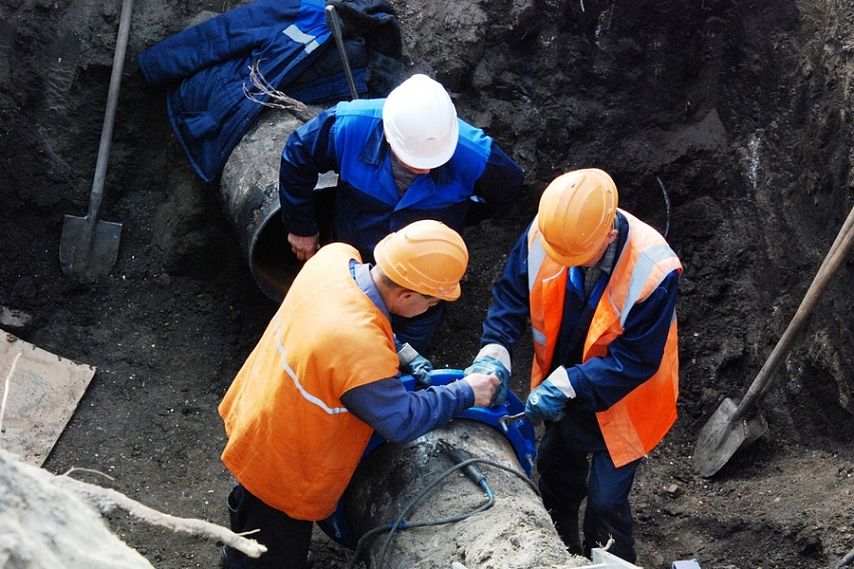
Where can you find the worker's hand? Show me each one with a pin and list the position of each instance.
(420, 369)
(304, 247)
(494, 360)
(484, 387)
(415, 364)
(547, 401)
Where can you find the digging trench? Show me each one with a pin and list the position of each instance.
(725, 124)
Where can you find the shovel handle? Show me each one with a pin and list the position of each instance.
(97, 193)
(334, 25)
(832, 261)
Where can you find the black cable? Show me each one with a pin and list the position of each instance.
(490, 501)
(666, 204)
(845, 561)
(399, 524)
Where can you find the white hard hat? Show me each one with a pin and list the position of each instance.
(420, 123)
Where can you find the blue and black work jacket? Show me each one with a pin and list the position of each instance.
(599, 382)
(207, 68)
(349, 140)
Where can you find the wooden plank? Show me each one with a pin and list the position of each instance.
(40, 396)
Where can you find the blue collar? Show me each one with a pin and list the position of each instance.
(362, 275)
(376, 149)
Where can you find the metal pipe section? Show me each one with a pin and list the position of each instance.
(516, 533)
(249, 188)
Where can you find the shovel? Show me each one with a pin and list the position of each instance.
(334, 24)
(733, 426)
(88, 247)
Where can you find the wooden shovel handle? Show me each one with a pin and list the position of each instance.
(97, 192)
(832, 261)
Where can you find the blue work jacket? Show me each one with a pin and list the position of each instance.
(349, 140)
(598, 382)
(396, 414)
(207, 67)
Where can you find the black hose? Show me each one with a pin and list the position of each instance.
(666, 205)
(399, 524)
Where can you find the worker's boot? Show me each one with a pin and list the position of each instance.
(228, 555)
(566, 524)
(565, 518)
(224, 556)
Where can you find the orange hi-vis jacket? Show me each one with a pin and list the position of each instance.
(635, 424)
(291, 441)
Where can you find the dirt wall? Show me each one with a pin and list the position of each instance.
(725, 124)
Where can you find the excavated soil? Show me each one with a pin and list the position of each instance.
(726, 125)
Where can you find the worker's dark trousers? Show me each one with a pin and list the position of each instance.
(287, 539)
(418, 330)
(566, 478)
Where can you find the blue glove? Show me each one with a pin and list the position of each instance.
(490, 366)
(420, 368)
(415, 364)
(547, 401)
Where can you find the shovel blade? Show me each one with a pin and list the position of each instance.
(88, 251)
(722, 436)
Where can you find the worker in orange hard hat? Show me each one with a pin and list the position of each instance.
(599, 287)
(399, 159)
(324, 377)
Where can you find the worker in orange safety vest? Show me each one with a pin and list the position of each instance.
(600, 288)
(324, 377)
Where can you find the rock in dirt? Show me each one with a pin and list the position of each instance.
(44, 526)
(14, 320)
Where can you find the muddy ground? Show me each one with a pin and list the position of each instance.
(726, 124)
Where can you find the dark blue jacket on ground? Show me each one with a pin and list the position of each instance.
(207, 67)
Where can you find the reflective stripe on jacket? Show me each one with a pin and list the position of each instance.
(635, 424)
(291, 441)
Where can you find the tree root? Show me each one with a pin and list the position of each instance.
(107, 499)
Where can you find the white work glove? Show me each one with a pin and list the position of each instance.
(415, 364)
(493, 359)
(546, 402)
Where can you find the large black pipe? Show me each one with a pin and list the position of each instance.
(249, 190)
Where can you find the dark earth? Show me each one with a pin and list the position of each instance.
(725, 124)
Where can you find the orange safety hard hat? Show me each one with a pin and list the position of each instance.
(420, 123)
(426, 256)
(575, 215)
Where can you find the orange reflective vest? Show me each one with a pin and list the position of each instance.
(291, 442)
(635, 424)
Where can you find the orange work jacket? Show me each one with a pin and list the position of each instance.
(635, 424)
(291, 442)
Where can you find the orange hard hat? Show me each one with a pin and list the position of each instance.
(575, 215)
(426, 256)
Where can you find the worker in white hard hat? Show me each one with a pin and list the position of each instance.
(599, 288)
(324, 377)
(399, 159)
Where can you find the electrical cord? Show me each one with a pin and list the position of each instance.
(399, 524)
(666, 204)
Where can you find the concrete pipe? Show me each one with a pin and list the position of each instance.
(249, 188)
(516, 532)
